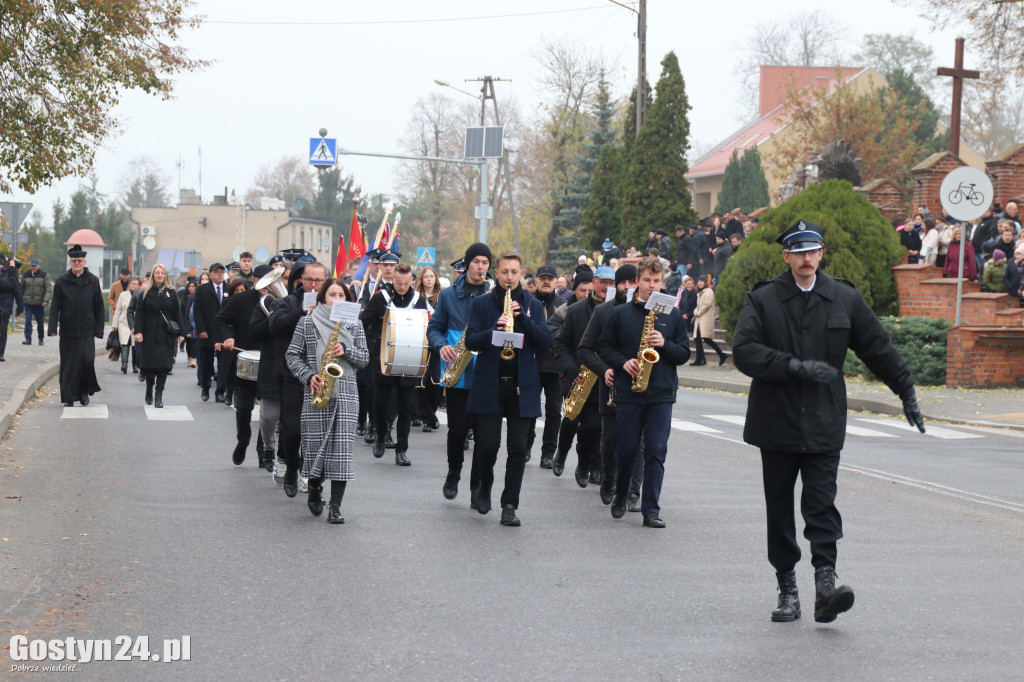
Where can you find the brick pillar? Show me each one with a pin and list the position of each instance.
(928, 176)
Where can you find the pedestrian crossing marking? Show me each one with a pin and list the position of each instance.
(87, 412)
(682, 425)
(933, 431)
(736, 419)
(168, 413)
(870, 433)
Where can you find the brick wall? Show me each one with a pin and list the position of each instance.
(1007, 174)
(986, 350)
(888, 199)
(984, 357)
(928, 178)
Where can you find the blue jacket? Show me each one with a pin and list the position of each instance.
(449, 321)
(483, 317)
(620, 341)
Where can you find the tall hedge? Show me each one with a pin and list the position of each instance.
(860, 246)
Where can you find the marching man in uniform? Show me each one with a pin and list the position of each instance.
(791, 338)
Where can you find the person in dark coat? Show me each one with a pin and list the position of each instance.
(686, 250)
(232, 328)
(791, 339)
(76, 314)
(688, 303)
(566, 346)
(268, 386)
(209, 298)
(910, 238)
(502, 388)
(36, 290)
(187, 298)
(10, 293)
(723, 252)
(399, 294)
(156, 311)
(625, 279)
(548, 367)
(1014, 273)
(645, 415)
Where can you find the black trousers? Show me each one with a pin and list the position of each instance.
(364, 384)
(608, 463)
(245, 400)
(459, 424)
(588, 438)
(207, 356)
(551, 385)
(488, 437)
(429, 396)
(5, 320)
(698, 348)
(823, 526)
(228, 359)
(566, 434)
(382, 392)
(290, 436)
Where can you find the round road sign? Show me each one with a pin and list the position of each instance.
(966, 193)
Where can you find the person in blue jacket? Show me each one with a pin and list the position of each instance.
(446, 327)
(502, 388)
(643, 415)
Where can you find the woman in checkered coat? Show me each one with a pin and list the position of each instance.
(328, 434)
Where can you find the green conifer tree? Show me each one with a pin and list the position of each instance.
(731, 181)
(655, 191)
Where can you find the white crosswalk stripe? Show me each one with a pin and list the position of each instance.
(930, 430)
(169, 413)
(682, 425)
(87, 412)
(736, 419)
(870, 433)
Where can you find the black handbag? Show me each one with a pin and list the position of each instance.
(172, 326)
(113, 340)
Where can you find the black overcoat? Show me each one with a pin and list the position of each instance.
(157, 343)
(205, 309)
(780, 322)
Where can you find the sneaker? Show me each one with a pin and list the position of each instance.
(633, 504)
(303, 485)
(279, 469)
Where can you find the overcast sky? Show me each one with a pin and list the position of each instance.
(274, 85)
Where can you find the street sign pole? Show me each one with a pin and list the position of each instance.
(966, 194)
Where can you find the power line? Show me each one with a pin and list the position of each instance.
(404, 21)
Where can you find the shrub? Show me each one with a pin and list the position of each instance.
(921, 340)
(860, 246)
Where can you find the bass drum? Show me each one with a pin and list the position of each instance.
(403, 343)
(248, 365)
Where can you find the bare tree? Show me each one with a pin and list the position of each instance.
(803, 39)
(143, 183)
(885, 53)
(289, 179)
(993, 116)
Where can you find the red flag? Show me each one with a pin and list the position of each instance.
(356, 239)
(339, 263)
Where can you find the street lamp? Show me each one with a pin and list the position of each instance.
(483, 100)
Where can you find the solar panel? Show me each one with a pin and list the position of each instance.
(484, 143)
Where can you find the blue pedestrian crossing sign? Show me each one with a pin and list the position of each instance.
(323, 151)
(426, 255)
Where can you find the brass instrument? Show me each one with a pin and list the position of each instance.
(578, 394)
(611, 397)
(507, 351)
(330, 372)
(646, 355)
(453, 372)
(274, 286)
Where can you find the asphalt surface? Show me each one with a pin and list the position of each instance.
(127, 526)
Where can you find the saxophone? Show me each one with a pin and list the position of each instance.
(453, 372)
(330, 372)
(577, 398)
(507, 352)
(646, 355)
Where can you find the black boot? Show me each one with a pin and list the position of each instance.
(161, 381)
(451, 486)
(238, 456)
(378, 448)
(829, 600)
(618, 506)
(789, 599)
(315, 498)
(558, 463)
(149, 390)
(124, 361)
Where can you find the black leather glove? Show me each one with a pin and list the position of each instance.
(813, 370)
(910, 408)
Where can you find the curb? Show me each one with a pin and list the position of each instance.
(855, 404)
(25, 390)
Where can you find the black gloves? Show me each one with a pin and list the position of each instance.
(910, 408)
(818, 371)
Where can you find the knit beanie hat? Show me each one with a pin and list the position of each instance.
(478, 249)
(582, 276)
(625, 272)
(998, 256)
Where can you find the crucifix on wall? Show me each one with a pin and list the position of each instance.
(959, 73)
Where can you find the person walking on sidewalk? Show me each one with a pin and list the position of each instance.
(119, 321)
(10, 293)
(76, 313)
(704, 324)
(36, 290)
(791, 339)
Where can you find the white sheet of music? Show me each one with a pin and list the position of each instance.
(344, 311)
(663, 303)
(501, 338)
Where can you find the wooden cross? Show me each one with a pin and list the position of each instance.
(959, 73)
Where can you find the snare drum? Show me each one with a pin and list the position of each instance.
(247, 365)
(403, 344)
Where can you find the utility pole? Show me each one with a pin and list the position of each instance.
(641, 83)
(487, 93)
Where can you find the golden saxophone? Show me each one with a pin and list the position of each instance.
(507, 352)
(646, 355)
(578, 394)
(330, 372)
(453, 371)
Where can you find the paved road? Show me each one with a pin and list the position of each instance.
(121, 525)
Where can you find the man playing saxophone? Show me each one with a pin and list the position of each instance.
(566, 344)
(643, 411)
(444, 332)
(506, 383)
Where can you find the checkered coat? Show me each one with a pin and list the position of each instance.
(328, 435)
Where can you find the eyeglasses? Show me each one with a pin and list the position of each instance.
(313, 281)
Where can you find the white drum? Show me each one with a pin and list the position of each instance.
(403, 343)
(247, 366)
